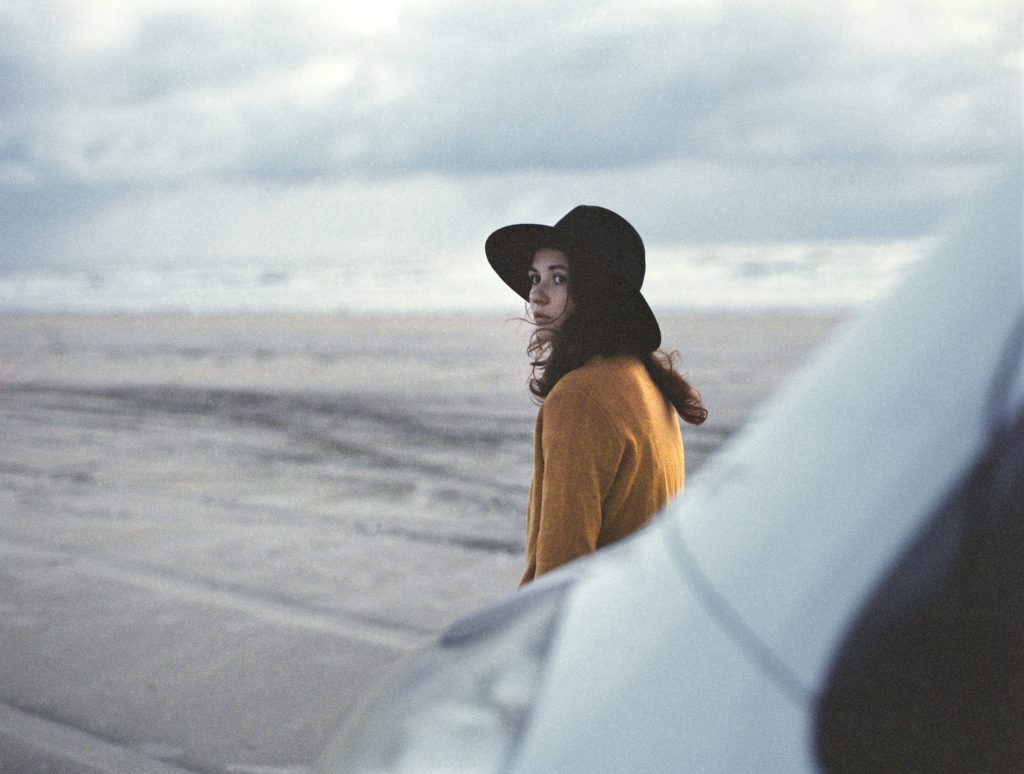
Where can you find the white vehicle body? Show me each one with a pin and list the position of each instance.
(705, 642)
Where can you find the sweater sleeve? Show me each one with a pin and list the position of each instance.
(582, 450)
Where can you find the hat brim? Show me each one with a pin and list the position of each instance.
(510, 251)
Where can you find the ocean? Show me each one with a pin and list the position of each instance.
(833, 276)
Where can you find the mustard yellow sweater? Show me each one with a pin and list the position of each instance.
(607, 456)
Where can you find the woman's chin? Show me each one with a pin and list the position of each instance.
(544, 332)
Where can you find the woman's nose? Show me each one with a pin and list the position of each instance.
(537, 294)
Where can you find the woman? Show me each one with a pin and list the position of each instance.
(607, 449)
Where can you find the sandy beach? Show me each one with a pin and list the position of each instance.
(218, 532)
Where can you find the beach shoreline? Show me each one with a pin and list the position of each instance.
(219, 531)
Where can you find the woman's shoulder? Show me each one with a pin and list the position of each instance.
(599, 377)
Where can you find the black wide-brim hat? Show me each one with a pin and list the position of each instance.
(597, 240)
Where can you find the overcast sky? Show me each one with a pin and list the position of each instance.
(157, 130)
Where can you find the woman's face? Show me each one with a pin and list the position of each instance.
(550, 303)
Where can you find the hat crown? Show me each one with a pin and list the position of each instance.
(609, 235)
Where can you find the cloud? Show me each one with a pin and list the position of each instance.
(269, 92)
(747, 84)
(727, 118)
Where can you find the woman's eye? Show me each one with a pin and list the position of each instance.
(534, 279)
(561, 279)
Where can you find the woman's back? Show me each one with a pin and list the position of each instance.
(608, 450)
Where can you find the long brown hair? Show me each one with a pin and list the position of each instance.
(593, 329)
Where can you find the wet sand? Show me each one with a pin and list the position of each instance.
(218, 532)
